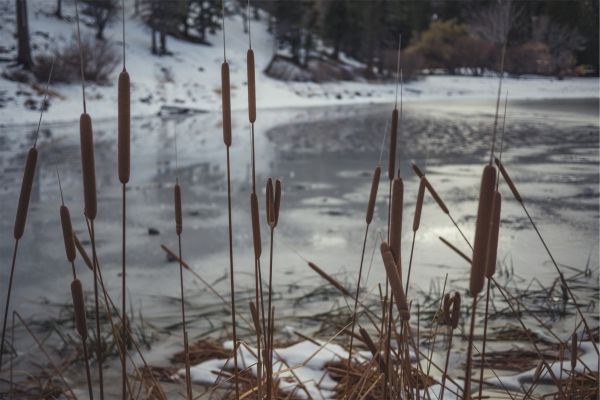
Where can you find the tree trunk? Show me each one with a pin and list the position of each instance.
(163, 42)
(100, 32)
(58, 11)
(153, 41)
(24, 49)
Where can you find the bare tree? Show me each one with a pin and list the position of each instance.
(562, 41)
(24, 48)
(102, 13)
(494, 23)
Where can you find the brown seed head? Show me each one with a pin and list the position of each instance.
(455, 310)
(88, 165)
(255, 319)
(395, 281)
(396, 218)
(417, 170)
(255, 225)
(482, 229)
(124, 127)
(178, 214)
(574, 350)
(393, 141)
(226, 103)
(373, 194)
(251, 86)
(329, 279)
(276, 202)
(67, 229)
(269, 198)
(419, 204)
(508, 181)
(26, 185)
(436, 196)
(447, 304)
(490, 268)
(79, 308)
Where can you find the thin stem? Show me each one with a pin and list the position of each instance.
(497, 104)
(223, 27)
(460, 231)
(88, 375)
(269, 351)
(80, 56)
(485, 325)
(235, 358)
(37, 131)
(249, 31)
(467, 386)
(123, 7)
(398, 68)
(412, 248)
(123, 296)
(185, 343)
(362, 257)
(97, 308)
(6, 307)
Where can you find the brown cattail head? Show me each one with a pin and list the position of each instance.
(124, 118)
(509, 181)
(395, 281)
(255, 319)
(226, 103)
(447, 304)
(396, 218)
(368, 341)
(436, 196)
(373, 194)
(88, 165)
(79, 308)
(178, 215)
(276, 202)
(26, 185)
(419, 205)
(538, 371)
(67, 229)
(329, 279)
(455, 310)
(574, 350)
(490, 268)
(269, 198)
(417, 170)
(251, 86)
(84, 256)
(392, 149)
(482, 229)
(255, 225)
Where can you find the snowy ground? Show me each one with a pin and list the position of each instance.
(190, 77)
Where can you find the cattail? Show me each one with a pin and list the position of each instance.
(395, 281)
(67, 229)
(84, 256)
(417, 170)
(490, 269)
(276, 202)
(255, 225)
(482, 229)
(373, 194)
(269, 202)
(419, 205)
(26, 185)
(392, 149)
(255, 319)
(455, 249)
(251, 86)
(455, 310)
(508, 181)
(538, 371)
(178, 216)
(79, 308)
(88, 166)
(329, 279)
(447, 304)
(574, 350)
(226, 103)
(372, 347)
(396, 218)
(124, 118)
(436, 196)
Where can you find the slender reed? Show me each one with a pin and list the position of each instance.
(226, 106)
(452, 320)
(22, 209)
(415, 226)
(123, 148)
(76, 287)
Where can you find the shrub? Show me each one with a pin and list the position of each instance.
(531, 57)
(99, 60)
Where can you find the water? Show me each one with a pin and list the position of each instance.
(325, 158)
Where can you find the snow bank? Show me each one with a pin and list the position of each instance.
(190, 77)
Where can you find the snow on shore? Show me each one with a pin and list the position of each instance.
(190, 77)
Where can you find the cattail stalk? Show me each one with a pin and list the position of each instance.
(22, 209)
(415, 227)
(453, 322)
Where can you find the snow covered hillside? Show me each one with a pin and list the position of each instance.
(190, 77)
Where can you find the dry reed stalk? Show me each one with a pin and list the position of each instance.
(573, 363)
(563, 281)
(415, 227)
(329, 279)
(455, 249)
(393, 143)
(81, 325)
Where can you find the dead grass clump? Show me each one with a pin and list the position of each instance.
(202, 350)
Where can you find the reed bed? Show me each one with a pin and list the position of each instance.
(397, 333)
